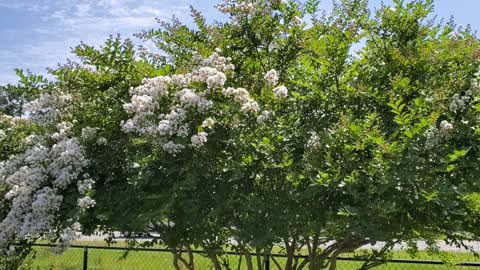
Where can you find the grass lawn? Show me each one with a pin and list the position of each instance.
(72, 259)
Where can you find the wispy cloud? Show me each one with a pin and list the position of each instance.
(36, 34)
(54, 26)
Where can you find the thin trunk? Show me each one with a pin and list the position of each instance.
(191, 263)
(175, 260)
(349, 244)
(248, 256)
(259, 259)
(290, 248)
(312, 252)
(213, 256)
(373, 261)
(295, 262)
(333, 259)
(240, 262)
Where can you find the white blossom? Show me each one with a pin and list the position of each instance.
(67, 236)
(173, 148)
(280, 92)
(86, 202)
(102, 141)
(314, 141)
(218, 62)
(180, 80)
(250, 107)
(88, 133)
(297, 21)
(229, 6)
(434, 136)
(165, 128)
(264, 117)
(188, 98)
(48, 107)
(64, 129)
(85, 185)
(241, 96)
(216, 81)
(271, 77)
(446, 126)
(161, 107)
(183, 130)
(154, 87)
(199, 139)
(208, 123)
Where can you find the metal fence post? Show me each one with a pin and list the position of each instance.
(85, 258)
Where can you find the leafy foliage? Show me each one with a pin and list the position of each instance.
(376, 138)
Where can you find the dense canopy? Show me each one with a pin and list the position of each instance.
(281, 126)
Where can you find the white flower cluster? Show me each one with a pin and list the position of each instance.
(102, 141)
(2, 135)
(147, 120)
(10, 120)
(88, 133)
(34, 180)
(314, 141)
(436, 135)
(182, 100)
(67, 161)
(85, 185)
(218, 62)
(297, 21)
(280, 92)
(86, 202)
(189, 99)
(48, 107)
(235, 6)
(271, 77)
(458, 104)
(64, 129)
(198, 140)
(242, 96)
(67, 236)
(264, 117)
(208, 123)
(173, 148)
(446, 127)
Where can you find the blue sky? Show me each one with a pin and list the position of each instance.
(35, 34)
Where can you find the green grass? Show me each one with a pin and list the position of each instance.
(47, 259)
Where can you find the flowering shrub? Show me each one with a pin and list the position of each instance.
(264, 129)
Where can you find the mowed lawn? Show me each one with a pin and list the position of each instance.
(99, 259)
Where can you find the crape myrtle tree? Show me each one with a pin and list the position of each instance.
(55, 147)
(280, 127)
(348, 148)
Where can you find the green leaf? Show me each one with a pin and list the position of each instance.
(457, 154)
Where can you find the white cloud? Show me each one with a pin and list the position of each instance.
(58, 25)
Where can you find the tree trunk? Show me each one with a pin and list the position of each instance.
(213, 256)
(290, 248)
(175, 260)
(312, 253)
(191, 262)
(259, 259)
(248, 256)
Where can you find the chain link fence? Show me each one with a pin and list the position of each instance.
(119, 258)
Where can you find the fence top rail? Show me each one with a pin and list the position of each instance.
(406, 261)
